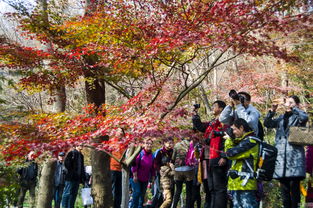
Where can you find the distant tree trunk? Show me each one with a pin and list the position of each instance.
(95, 91)
(45, 193)
(60, 99)
(285, 81)
(101, 178)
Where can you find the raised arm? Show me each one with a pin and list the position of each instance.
(303, 116)
(227, 115)
(197, 123)
(270, 122)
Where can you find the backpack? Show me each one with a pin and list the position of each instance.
(180, 153)
(157, 152)
(266, 161)
(260, 131)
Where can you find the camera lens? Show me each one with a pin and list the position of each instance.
(233, 94)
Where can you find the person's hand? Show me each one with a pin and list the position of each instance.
(135, 178)
(195, 111)
(274, 107)
(222, 162)
(172, 166)
(288, 107)
(230, 102)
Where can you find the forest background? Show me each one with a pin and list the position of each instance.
(76, 72)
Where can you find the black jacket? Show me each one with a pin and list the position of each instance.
(30, 172)
(59, 175)
(74, 164)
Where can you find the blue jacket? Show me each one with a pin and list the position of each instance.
(250, 114)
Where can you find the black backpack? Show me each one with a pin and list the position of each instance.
(266, 161)
(260, 131)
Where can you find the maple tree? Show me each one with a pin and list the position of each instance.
(146, 42)
(150, 39)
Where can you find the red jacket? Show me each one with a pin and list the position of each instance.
(215, 142)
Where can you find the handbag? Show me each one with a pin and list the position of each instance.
(300, 135)
(86, 196)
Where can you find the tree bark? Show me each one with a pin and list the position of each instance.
(95, 91)
(101, 178)
(60, 99)
(45, 193)
(131, 153)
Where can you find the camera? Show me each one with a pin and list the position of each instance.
(219, 133)
(228, 131)
(196, 106)
(234, 95)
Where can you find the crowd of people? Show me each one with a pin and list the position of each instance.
(224, 162)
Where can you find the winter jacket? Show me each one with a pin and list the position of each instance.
(144, 166)
(290, 158)
(250, 114)
(167, 177)
(29, 172)
(74, 164)
(244, 153)
(114, 165)
(59, 174)
(215, 142)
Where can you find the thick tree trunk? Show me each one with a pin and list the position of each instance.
(45, 193)
(101, 178)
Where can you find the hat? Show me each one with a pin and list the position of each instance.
(61, 154)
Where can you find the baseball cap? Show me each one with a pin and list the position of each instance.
(61, 154)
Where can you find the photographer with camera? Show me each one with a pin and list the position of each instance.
(240, 107)
(243, 151)
(290, 163)
(213, 165)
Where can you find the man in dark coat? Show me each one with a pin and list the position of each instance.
(28, 180)
(74, 175)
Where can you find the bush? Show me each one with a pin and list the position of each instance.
(8, 185)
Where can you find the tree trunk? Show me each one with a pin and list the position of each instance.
(95, 91)
(131, 153)
(45, 193)
(60, 99)
(285, 81)
(101, 178)
(46, 181)
(125, 186)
